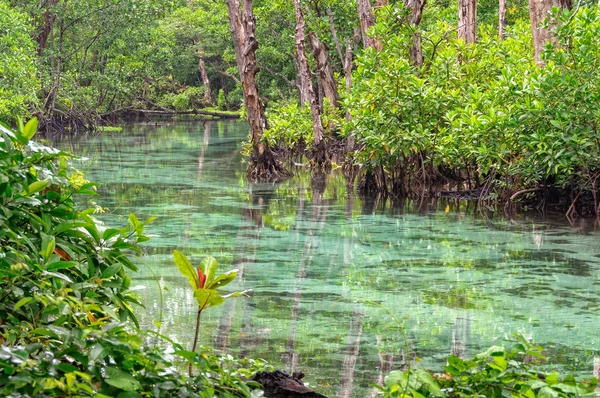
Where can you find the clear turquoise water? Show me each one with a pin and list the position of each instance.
(457, 281)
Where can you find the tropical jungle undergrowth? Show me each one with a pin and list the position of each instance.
(67, 314)
(479, 118)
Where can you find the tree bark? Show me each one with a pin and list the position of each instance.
(467, 20)
(416, 14)
(348, 72)
(501, 19)
(307, 92)
(381, 3)
(46, 26)
(538, 12)
(325, 76)
(336, 40)
(204, 75)
(242, 24)
(367, 21)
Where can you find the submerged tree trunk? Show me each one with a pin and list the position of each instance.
(306, 87)
(325, 76)
(501, 19)
(243, 25)
(538, 12)
(467, 20)
(367, 21)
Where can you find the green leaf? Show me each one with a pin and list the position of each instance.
(208, 298)
(22, 302)
(129, 394)
(69, 225)
(93, 231)
(432, 384)
(112, 270)
(209, 266)
(120, 379)
(395, 377)
(98, 352)
(37, 186)
(547, 392)
(66, 368)
(110, 233)
(61, 265)
(30, 128)
(186, 269)
(222, 280)
(48, 246)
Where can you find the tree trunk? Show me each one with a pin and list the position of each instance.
(416, 14)
(46, 26)
(467, 20)
(348, 72)
(367, 21)
(538, 12)
(501, 19)
(242, 24)
(381, 3)
(338, 46)
(325, 76)
(307, 93)
(205, 80)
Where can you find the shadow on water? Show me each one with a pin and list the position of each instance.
(458, 277)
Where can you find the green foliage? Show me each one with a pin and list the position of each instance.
(18, 82)
(222, 101)
(497, 372)
(189, 98)
(205, 282)
(291, 125)
(481, 110)
(66, 302)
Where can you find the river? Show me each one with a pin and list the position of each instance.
(343, 290)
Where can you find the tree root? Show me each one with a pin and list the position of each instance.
(267, 171)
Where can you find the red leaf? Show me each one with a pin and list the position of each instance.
(201, 278)
(62, 254)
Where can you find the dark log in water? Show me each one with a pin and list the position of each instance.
(279, 384)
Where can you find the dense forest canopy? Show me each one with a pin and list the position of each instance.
(499, 96)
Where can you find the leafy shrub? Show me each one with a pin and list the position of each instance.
(18, 81)
(498, 372)
(66, 301)
(222, 101)
(482, 110)
(189, 98)
(290, 125)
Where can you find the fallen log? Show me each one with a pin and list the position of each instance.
(222, 115)
(279, 384)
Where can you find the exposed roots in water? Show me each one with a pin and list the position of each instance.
(71, 122)
(318, 181)
(268, 170)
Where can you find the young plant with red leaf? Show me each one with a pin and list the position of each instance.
(205, 283)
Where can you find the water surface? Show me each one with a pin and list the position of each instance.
(323, 264)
